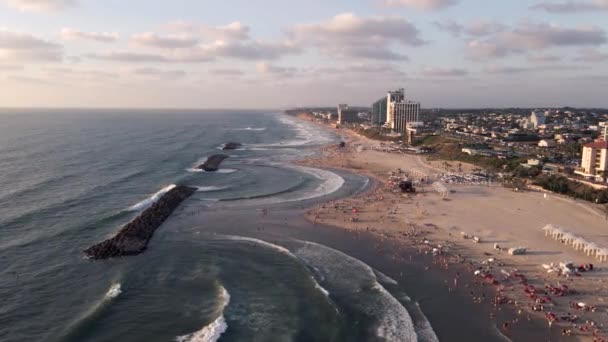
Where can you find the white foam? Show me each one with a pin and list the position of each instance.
(213, 331)
(222, 171)
(150, 200)
(383, 278)
(210, 188)
(250, 129)
(349, 275)
(226, 171)
(114, 291)
(262, 243)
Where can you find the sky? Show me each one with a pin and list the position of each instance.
(288, 53)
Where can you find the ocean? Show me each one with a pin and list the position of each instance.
(236, 262)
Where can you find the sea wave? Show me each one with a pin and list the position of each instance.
(213, 331)
(222, 171)
(152, 199)
(211, 188)
(114, 291)
(352, 278)
(249, 129)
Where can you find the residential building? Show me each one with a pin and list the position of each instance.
(537, 119)
(379, 110)
(547, 143)
(405, 113)
(595, 159)
(347, 115)
(605, 133)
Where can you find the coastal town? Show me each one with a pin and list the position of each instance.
(511, 204)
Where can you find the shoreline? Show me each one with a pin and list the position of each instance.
(357, 213)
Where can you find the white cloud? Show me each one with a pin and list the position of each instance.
(529, 37)
(149, 39)
(572, 6)
(592, 56)
(160, 74)
(41, 5)
(19, 47)
(444, 72)
(425, 5)
(358, 37)
(233, 31)
(103, 37)
(277, 71)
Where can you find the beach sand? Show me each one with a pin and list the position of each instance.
(425, 220)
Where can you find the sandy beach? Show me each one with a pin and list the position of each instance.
(576, 305)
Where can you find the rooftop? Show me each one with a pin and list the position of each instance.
(600, 144)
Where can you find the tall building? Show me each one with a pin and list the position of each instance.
(537, 119)
(406, 113)
(393, 98)
(379, 110)
(595, 158)
(604, 130)
(346, 115)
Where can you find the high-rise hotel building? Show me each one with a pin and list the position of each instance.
(405, 113)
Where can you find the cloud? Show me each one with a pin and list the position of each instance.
(227, 72)
(592, 56)
(506, 70)
(41, 5)
(544, 58)
(474, 29)
(256, 50)
(530, 37)
(572, 6)
(19, 47)
(424, 5)
(10, 67)
(277, 71)
(149, 39)
(444, 72)
(160, 74)
(102, 37)
(130, 57)
(347, 35)
(233, 31)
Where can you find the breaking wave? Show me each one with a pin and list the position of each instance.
(114, 291)
(152, 199)
(250, 129)
(349, 278)
(213, 331)
(211, 188)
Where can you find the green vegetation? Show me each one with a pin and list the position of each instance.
(563, 185)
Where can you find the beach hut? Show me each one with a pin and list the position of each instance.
(602, 254)
(591, 248)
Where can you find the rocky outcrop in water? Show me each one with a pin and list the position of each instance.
(133, 238)
(232, 146)
(213, 162)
